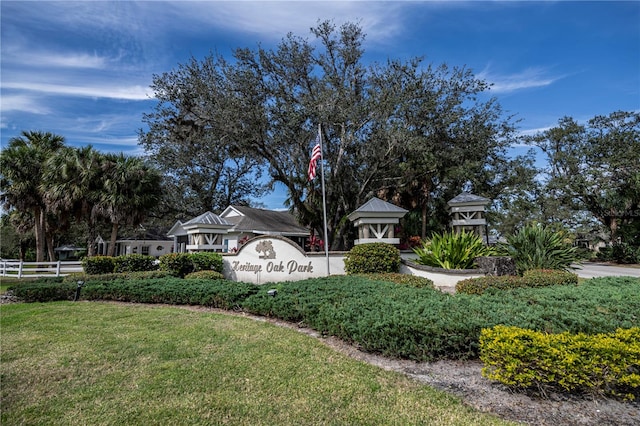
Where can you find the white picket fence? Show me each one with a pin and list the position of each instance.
(19, 269)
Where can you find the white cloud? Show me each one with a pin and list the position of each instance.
(273, 20)
(60, 60)
(527, 79)
(531, 132)
(23, 103)
(133, 93)
(20, 52)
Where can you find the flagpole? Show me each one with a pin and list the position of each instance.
(324, 201)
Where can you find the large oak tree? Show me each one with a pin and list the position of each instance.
(406, 131)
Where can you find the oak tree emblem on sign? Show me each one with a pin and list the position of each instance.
(266, 248)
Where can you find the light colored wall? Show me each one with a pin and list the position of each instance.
(291, 263)
(288, 262)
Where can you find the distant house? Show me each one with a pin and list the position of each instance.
(68, 252)
(206, 232)
(150, 243)
(235, 225)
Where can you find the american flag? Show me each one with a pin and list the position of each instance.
(316, 154)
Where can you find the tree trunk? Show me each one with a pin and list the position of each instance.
(613, 229)
(423, 230)
(39, 234)
(91, 240)
(425, 205)
(52, 253)
(112, 242)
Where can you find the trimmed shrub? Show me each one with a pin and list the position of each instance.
(383, 317)
(147, 275)
(220, 294)
(134, 263)
(452, 250)
(404, 279)
(607, 363)
(178, 264)
(372, 258)
(546, 277)
(204, 275)
(481, 284)
(97, 265)
(138, 275)
(540, 247)
(532, 278)
(46, 291)
(206, 261)
(49, 280)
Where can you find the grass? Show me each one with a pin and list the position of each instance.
(98, 363)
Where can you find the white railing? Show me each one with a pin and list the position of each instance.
(19, 269)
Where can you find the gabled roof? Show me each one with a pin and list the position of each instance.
(207, 218)
(467, 198)
(261, 221)
(69, 248)
(376, 207)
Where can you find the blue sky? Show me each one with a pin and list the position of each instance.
(83, 69)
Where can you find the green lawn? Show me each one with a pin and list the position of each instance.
(98, 363)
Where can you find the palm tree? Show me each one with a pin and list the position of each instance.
(130, 189)
(72, 186)
(21, 169)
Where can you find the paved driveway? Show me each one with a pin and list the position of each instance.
(592, 270)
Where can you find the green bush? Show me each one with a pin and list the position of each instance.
(481, 284)
(383, 317)
(46, 291)
(138, 275)
(625, 253)
(178, 264)
(134, 263)
(452, 250)
(546, 277)
(372, 258)
(97, 265)
(405, 279)
(204, 275)
(220, 294)
(601, 363)
(531, 278)
(206, 261)
(539, 247)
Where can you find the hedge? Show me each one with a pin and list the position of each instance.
(134, 263)
(207, 261)
(204, 275)
(96, 265)
(372, 258)
(178, 264)
(405, 279)
(379, 316)
(607, 363)
(531, 278)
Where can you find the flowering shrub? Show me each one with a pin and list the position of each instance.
(315, 243)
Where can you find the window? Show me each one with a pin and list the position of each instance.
(145, 250)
